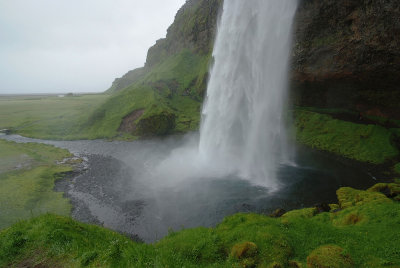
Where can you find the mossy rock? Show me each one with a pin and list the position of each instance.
(275, 265)
(389, 189)
(277, 213)
(366, 143)
(351, 218)
(334, 207)
(295, 264)
(300, 213)
(156, 125)
(349, 197)
(244, 250)
(397, 168)
(329, 256)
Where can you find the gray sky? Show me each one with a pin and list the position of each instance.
(52, 46)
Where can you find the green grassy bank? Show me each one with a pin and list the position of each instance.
(371, 143)
(49, 117)
(362, 230)
(168, 97)
(27, 175)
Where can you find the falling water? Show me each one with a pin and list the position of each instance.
(243, 126)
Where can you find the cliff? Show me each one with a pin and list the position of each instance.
(347, 55)
(193, 29)
(165, 95)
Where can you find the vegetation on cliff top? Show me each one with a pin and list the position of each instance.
(361, 232)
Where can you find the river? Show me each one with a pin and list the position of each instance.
(113, 190)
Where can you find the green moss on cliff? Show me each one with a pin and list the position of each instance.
(245, 240)
(169, 94)
(397, 168)
(106, 120)
(367, 143)
(158, 124)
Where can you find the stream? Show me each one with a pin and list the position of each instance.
(112, 188)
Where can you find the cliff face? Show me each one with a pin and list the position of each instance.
(193, 29)
(169, 89)
(347, 54)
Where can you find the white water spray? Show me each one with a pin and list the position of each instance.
(243, 126)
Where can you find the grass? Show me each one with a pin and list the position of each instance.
(366, 143)
(49, 117)
(353, 114)
(363, 234)
(27, 175)
(174, 86)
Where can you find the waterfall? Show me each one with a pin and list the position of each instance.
(243, 118)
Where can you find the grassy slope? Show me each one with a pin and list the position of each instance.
(27, 175)
(171, 86)
(364, 232)
(366, 143)
(49, 117)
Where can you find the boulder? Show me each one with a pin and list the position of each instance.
(329, 256)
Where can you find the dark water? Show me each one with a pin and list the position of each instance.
(112, 189)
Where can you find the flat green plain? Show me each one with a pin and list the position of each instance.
(49, 117)
(27, 175)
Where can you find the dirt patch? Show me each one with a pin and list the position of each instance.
(39, 260)
(128, 124)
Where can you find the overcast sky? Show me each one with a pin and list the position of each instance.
(53, 46)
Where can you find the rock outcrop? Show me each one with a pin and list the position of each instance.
(347, 54)
(193, 29)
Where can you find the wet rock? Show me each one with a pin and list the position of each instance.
(322, 207)
(391, 190)
(158, 124)
(278, 213)
(346, 54)
(5, 131)
(128, 124)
